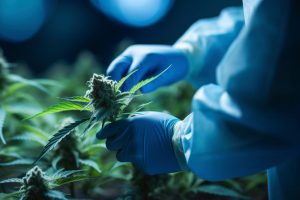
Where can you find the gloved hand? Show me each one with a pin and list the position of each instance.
(150, 60)
(145, 140)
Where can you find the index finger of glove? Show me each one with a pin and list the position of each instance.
(112, 129)
(118, 68)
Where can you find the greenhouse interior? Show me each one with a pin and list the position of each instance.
(149, 99)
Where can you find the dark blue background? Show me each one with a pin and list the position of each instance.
(75, 25)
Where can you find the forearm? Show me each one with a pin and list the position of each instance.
(206, 42)
(224, 140)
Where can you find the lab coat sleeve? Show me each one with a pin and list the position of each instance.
(206, 42)
(249, 120)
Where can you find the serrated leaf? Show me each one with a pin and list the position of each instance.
(220, 191)
(13, 88)
(19, 79)
(61, 177)
(36, 131)
(21, 161)
(60, 107)
(61, 173)
(2, 118)
(29, 137)
(57, 137)
(94, 147)
(12, 180)
(136, 111)
(145, 82)
(120, 83)
(91, 163)
(78, 99)
(67, 180)
(90, 125)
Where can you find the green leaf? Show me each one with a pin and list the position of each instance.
(49, 82)
(36, 131)
(19, 79)
(2, 118)
(94, 147)
(12, 180)
(118, 164)
(61, 173)
(91, 163)
(90, 125)
(120, 83)
(78, 99)
(67, 180)
(55, 161)
(136, 111)
(29, 137)
(145, 82)
(57, 137)
(220, 191)
(60, 107)
(21, 161)
(7, 154)
(13, 88)
(61, 177)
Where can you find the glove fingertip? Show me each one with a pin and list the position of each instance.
(100, 135)
(103, 133)
(120, 156)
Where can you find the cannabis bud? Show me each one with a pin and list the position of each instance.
(34, 185)
(107, 101)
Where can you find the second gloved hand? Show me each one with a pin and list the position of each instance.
(150, 60)
(145, 140)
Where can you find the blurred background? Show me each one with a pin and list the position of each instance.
(65, 42)
(40, 33)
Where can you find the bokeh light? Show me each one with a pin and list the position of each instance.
(21, 19)
(139, 13)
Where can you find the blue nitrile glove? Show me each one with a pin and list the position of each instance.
(150, 60)
(145, 140)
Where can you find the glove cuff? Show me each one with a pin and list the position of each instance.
(177, 146)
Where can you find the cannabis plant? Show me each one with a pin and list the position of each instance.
(12, 95)
(72, 152)
(103, 99)
(39, 185)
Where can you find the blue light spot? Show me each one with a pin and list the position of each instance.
(21, 19)
(137, 13)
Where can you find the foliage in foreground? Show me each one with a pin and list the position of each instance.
(38, 185)
(98, 175)
(104, 100)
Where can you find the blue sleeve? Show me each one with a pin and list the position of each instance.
(206, 42)
(249, 120)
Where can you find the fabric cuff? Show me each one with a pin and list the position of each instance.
(177, 146)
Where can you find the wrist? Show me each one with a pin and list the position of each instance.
(177, 146)
(192, 54)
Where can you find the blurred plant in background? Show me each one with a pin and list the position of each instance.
(97, 174)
